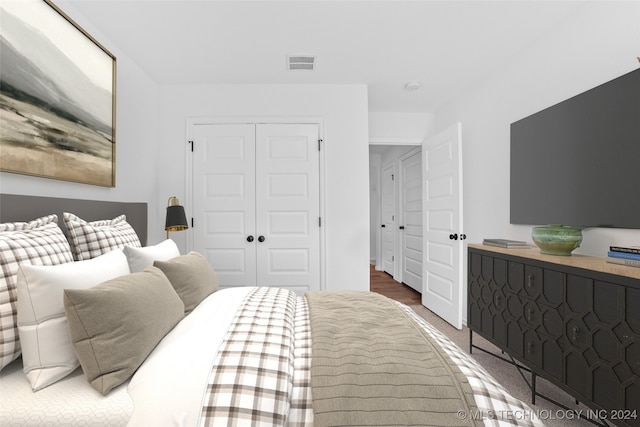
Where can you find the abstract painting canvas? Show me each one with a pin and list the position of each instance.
(57, 96)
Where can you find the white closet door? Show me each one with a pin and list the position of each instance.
(411, 173)
(288, 206)
(224, 200)
(388, 219)
(256, 203)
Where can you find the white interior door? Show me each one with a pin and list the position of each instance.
(224, 200)
(256, 203)
(442, 218)
(388, 219)
(288, 206)
(411, 210)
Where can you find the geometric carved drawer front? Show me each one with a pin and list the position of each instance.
(602, 355)
(488, 300)
(578, 328)
(482, 311)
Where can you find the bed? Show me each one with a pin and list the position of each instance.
(150, 340)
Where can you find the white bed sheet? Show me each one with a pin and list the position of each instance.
(183, 360)
(71, 401)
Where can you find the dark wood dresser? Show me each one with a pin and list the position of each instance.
(574, 321)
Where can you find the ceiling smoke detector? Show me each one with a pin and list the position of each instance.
(301, 62)
(411, 86)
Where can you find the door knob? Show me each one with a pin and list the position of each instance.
(463, 236)
(383, 226)
(260, 238)
(453, 236)
(249, 239)
(401, 227)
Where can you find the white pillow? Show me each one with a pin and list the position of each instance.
(39, 242)
(47, 349)
(141, 258)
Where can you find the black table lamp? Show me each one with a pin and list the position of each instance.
(176, 218)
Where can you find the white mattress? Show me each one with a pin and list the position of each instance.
(70, 401)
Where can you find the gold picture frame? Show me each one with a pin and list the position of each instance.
(57, 97)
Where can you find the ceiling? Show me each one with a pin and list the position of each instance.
(446, 46)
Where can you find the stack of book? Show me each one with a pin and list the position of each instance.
(627, 255)
(505, 243)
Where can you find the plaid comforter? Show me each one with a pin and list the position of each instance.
(261, 374)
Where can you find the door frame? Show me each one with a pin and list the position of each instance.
(221, 120)
(390, 141)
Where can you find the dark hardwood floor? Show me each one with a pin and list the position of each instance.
(384, 284)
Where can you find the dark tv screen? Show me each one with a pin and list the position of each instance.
(577, 163)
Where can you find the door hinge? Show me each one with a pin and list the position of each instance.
(319, 221)
(191, 222)
(319, 143)
(190, 142)
(393, 177)
(393, 258)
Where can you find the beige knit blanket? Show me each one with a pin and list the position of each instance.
(374, 366)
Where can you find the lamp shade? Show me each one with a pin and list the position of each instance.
(176, 218)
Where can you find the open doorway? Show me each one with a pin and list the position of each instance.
(396, 212)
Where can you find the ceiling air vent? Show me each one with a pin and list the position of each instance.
(301, 62)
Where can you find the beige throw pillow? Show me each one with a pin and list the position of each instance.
(47, 350)
(114, 326)
(192, 277)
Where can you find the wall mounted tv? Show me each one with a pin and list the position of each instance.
(577, 163)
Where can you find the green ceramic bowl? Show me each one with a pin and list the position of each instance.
(556, 239)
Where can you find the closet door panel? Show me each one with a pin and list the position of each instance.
(287, 206)
(224, 200)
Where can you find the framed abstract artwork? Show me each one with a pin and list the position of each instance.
(57, 96)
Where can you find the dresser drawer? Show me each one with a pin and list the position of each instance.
(541, 284)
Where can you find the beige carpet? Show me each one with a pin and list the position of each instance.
(507, 375)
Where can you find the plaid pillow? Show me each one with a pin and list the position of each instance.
(39, 242)
(91, 239)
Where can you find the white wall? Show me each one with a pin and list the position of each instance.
(402, 128)
(592, 47)
(136, 136)
(343, 110)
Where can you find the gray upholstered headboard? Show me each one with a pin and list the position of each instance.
(14, 207)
